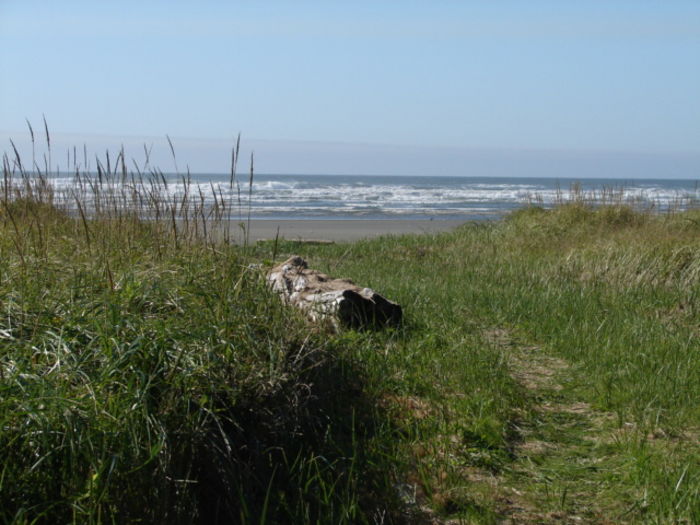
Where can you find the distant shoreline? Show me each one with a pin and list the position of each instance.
(344, 229)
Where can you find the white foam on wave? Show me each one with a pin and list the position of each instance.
(272, 185)
(392, 194)
(316, 197)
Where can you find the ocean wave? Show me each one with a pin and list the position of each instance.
(398, 196)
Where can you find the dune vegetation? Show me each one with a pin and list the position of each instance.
(547, 369)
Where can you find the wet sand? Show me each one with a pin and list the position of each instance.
(344, 230)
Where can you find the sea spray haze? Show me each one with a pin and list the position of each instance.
(260, 196)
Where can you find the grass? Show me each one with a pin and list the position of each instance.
(547, 369)
(602, 299)
(148, 374)
(168, 386)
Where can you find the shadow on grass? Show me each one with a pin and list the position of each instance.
(310, 451)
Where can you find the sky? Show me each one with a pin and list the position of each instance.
(511, 88)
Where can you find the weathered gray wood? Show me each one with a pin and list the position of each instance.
(338, 300)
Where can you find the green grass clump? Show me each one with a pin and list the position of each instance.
(144, 379)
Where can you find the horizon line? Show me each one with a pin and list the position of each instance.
(464, 148)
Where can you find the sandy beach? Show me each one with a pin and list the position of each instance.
(344, 230)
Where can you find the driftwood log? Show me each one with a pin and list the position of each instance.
(337, 300)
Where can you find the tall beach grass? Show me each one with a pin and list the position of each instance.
(148, 374)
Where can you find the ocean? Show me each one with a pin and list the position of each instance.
(328, 197)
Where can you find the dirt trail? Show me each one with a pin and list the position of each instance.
(557, 473)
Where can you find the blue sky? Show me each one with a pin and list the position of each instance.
(362, 86)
